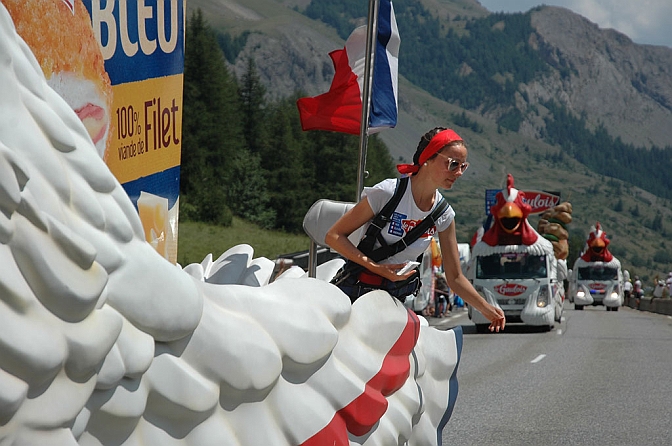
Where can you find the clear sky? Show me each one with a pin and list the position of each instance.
(644, 21)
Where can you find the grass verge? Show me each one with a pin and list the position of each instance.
(196, 240)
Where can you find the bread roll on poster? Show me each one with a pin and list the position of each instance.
(60, 35)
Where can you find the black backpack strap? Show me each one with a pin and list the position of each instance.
(382, 218)
(388, 251)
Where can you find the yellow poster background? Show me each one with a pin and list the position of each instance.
(146, 123)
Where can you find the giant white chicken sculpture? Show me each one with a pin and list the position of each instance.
(104, 342)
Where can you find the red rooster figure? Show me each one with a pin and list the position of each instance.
(510, 214)
(596, 249)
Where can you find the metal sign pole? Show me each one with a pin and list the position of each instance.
(371, 32)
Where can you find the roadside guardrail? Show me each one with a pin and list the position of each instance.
(662, 305)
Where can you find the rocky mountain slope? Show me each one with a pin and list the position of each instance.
(625, 86)
(597, 73)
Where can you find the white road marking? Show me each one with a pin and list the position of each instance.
(559, 331)
(537, 359)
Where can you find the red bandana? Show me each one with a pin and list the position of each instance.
(438, 142)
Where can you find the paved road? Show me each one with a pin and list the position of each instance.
(597, 378)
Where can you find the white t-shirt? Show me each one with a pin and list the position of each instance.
(658, 290)
(404, 218)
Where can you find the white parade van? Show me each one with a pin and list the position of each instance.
(514, 268)
(597, 277)
(597, 283)
(522, 280)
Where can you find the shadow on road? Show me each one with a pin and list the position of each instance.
(511, 328)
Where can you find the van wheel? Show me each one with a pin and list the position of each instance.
(482, 328)
(614, 309)
(578, 307)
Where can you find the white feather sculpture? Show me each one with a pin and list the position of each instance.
(104, 342)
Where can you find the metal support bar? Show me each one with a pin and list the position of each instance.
(312, 259)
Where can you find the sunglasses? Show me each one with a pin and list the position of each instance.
(454, 165)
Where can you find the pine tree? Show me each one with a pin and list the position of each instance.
(289, 182)
(379, 162)
(247, 193)
(253, 102)
(211, 126)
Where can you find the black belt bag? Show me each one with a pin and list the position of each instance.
(354, 280)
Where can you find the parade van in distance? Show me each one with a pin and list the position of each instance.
(597, 277)
(515, 268)
(431, 262)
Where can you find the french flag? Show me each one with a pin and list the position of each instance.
(340, 109)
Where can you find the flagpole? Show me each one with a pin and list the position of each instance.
(371, 32)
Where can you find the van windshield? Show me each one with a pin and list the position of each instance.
(598, 273)
(511, 265)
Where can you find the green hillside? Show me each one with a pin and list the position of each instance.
(197, 240)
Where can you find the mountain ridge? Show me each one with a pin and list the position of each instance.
(639, 109)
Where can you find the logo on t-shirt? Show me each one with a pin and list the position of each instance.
(397, 224)
(400, 225)
(408, 224)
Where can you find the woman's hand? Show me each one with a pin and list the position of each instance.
(389, 271)
(495, 316)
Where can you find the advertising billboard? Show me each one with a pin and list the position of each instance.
(119, 64)
(539, 201)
